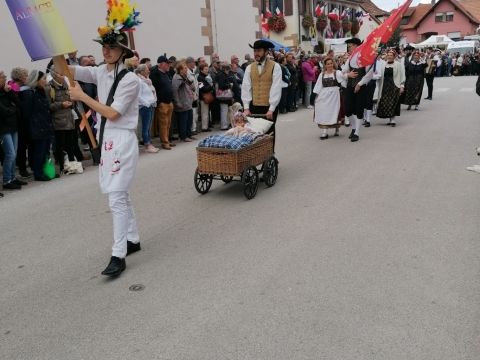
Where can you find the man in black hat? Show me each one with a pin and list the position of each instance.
(355, 92)
(262, 85)
(430, 72)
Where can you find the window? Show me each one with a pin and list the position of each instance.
(440, 17)
(405, 20)
(449, 16)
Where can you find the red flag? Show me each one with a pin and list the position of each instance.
(318, 10)
(265, 27)
(268, 14)
(278, 12)
(366, 53)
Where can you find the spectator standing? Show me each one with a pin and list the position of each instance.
(164, 110)
(235, 63)
(193, 78)
(226, 81)
(183, 94)
(147, 102)
(9, 117)
(206, 90)
(292, 88)
(308, 73)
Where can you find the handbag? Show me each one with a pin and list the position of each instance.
(49, 168)
(97, 152)
(224, 95)
(208, 98)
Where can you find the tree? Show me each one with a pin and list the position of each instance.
(395, 39)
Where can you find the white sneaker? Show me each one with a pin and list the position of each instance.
(152, 149)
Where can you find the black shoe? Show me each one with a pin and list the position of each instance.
(42, 178)
(115, 267)
(25, 174)
(1, 195)
(20, 182)
(409, 107)
(352, 133)
(324, 137)
(393, 124)
(355, 138)
(367, 124)
(428, 98)
(206, 130)
(132, 247)
(11, 186)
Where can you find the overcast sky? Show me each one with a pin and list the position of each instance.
(391, 4)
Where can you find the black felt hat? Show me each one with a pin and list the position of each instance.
(409, 48)
(355, 41)
(262, 44)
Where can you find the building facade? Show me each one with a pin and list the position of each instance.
(453, 18)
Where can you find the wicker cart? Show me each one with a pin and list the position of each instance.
(237, 165)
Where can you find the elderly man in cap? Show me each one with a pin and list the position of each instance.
(355, 92)
(262, 85)
(162, 83)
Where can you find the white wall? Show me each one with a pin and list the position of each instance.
(169, 26)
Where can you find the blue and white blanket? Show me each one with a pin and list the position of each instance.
(227, 142)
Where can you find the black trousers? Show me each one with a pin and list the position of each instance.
(65, 142)
(369, 92)
(291, 98)
(429, 79)
(283, 101)
(355, 102)
(261, 111)
(24, 145)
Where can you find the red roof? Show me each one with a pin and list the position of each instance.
(471, 8)
(417, 13)
(373, 9)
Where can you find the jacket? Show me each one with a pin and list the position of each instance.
(163, 86)
(36, 111)
(9, 112)
(183, 93)
(62, 118)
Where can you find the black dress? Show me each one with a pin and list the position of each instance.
(414, 83)
(389, 105)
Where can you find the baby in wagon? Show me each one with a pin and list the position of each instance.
(240, 128)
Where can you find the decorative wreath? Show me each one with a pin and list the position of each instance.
(322, 23)
(307, 22)
(277, 23)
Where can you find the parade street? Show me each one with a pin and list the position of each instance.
(361, 251)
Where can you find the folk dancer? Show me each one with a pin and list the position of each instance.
(262, 85)
(430, 72)
(119, 154)
(415, 79)
(391, 87)
(327, 101)
(355, 90)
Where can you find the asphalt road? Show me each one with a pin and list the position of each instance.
(367, 250)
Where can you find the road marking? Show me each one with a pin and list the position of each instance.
(467, 90)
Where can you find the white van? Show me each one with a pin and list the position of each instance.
(463, 47)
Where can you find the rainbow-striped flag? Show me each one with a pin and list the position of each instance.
(41, 28)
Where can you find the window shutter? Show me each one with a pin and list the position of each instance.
(288, 7)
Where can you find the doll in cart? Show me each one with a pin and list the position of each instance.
(240, 126)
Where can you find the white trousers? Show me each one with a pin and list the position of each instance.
(205, 111)
(124, 222)
(224, 116)
(195, 119)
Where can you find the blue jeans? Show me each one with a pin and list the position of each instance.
(184, 123)
(9, 143)
(146, 115)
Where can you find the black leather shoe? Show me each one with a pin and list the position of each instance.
(367, 124)
(428, 98)
(115, 267)
(324, 137)
(20, 182)
(132, 247)
(352, 133)
(25, 174)
(354, 138)
(42, 178)
(11, 186)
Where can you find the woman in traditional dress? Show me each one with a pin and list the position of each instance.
(391, 86)
(415, 72)
(327, 101)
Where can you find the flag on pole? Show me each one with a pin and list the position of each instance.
(366, 53)
(41, 27)
(265, 27)
(318, 10)
(278, 11)
(268, 14)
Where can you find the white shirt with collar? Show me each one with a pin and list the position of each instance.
(275, 90)
(126, 96)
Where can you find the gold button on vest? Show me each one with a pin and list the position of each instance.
(261, 83)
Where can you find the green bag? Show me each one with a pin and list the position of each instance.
(49, 168)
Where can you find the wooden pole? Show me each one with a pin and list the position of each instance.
(61, 67)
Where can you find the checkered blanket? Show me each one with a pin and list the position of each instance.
(227, 142)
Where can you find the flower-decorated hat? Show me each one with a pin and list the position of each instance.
(121, 18)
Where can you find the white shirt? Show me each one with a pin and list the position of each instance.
(275, 90)
(146, 96)
(126, 96)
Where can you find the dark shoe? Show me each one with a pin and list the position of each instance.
(206, 130)
(172, 145)
(393, 124)
(354, 138)
(409, 107)
(428, 98)
(352, 133)
(194, 133)
(132, 247)
(173, 138)
(25, 174)
(42, 178)
(324, 137)
(416, 108)
(367, 124)
(20, 182)
(11, 186)
(57, 175)
(1, 195)
(115, 267)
